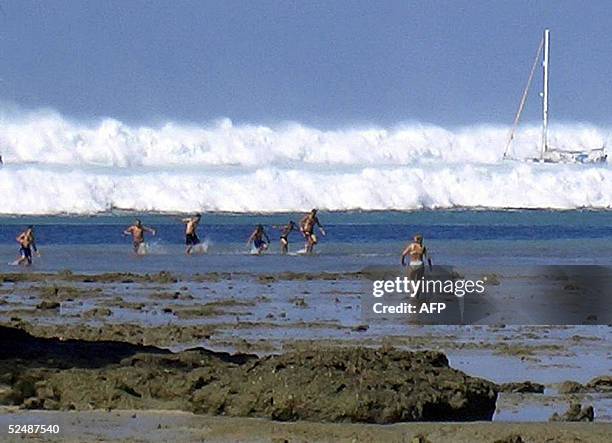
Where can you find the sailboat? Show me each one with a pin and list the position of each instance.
(550, 154)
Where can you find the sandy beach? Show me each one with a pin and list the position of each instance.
(162, 426)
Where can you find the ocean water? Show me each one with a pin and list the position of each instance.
(375, 187)
(354, 240)
(54, 165)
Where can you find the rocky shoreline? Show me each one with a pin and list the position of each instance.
(227, 348)
(319, 384)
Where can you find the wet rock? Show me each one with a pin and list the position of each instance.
(43, 390)
(214, 308)
(121, 332)
(165, 295)
(357, 385)
(48, 304)
(587, 414)
(571, 387)
(491, 279)
(571, 286)
(600, 384)
(129, 305)
(360, 328)
(32, 403)
(51, 405)
(162, 277)
(211, 277)
(98, 313)
(512, 438)
(197, 311)
(522, 387)
(316, 383)
(66, 293)
(300, 302)
(6, 395)
(266, 278)
(23, 387)
(575, 413)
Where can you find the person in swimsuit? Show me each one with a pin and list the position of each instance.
(284, 236)
(27, 242)
(137, 231)
(191, 235)
(417, 253)
(260, 239)
(307, 225)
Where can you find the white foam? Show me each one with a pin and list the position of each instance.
(143, 249)
(55, 165)
(200, 248)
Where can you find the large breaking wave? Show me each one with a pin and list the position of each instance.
(55, 165)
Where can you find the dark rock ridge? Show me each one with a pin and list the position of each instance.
(575, 413)
(352, 384)
(522, 387)
(601, 384)
(320, 384)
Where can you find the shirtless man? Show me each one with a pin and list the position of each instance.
(260, 239)
(307, 225)
(137, 231)
(191, 235)
(417, 252)
(27, 242)
(284, 236)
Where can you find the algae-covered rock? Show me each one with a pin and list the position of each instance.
(522, 387)
(602, 383)
(512, 438)
(570, 387)
(48, 304)
(575, 413)
(350, 385)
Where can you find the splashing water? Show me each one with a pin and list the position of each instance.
(54, 165)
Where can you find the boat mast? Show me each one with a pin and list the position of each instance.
(545, 94)
(523, 100)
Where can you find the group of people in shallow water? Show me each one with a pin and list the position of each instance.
(259, 239)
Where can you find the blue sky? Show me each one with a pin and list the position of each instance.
(325, 63)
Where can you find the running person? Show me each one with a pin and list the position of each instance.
(137, 231)
(284, 236)
(27, 242)
(417, 252)
(260, 239)
(307, 225)
(191, 235)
